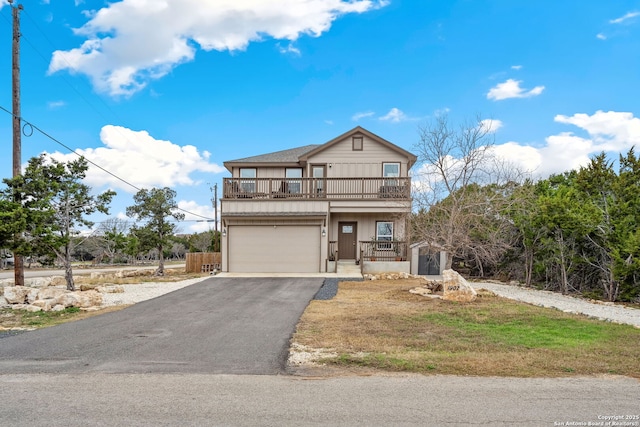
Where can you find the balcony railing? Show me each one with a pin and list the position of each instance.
(383, 250)
(317, 188)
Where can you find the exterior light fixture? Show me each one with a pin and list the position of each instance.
(224, 232)
(330, 164)
(324, 232)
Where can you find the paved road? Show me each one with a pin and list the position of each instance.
(266, 400)
(220, 325)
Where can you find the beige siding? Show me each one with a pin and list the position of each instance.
(265, 207)
(366, 163)
(367, 224)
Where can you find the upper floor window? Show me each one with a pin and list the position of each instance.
(248, 180)
(391, 170)
(294, 186)
(357, 143)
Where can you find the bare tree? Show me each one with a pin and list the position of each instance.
(460, 190)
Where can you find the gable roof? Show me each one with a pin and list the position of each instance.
(411, 158)
(300, 155)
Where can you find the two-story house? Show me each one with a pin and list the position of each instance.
(300, 210)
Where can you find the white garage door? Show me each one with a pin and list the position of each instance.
(269, 249)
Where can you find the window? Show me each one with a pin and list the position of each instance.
(317, 172)
(384, 231)
(356, 143)
(391, 170)
(294, 185)
(248, 180)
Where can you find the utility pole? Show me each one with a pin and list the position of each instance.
(214, 201)
(17, 141)
(215, 205)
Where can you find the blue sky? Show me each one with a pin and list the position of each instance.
(161, 93)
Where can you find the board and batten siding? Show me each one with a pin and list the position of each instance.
(347, 163)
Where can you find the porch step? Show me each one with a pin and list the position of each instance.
(348, 268)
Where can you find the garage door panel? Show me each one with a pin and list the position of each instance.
(269, 249)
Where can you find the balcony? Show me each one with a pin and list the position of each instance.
(317, 188)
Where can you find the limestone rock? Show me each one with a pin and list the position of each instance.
(111, 289)
(16, 294)
(3, 302)
(58, 281)
(58, 307)
(421, 291)
(456, 288)
(50, 293)
(32, 308)
(45, 304)
(80, 299)
(38, 282)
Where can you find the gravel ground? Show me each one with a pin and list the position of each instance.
(144, 291)
(602, 311)
(329, 288)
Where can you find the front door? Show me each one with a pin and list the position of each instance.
(347, 239)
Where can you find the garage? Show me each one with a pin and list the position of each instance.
(274, 248)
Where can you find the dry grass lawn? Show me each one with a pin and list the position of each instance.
(380, 325)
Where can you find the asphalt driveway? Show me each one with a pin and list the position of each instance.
(219, 326)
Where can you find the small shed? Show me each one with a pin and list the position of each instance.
(427, 259)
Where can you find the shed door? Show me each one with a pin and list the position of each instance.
(428, 263)
(274, 249)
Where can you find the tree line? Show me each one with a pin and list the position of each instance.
(575, 232)
(43, 209)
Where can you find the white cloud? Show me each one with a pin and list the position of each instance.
(290, 48)
(491, 125)
(511, 89)
(601, 36)
(196, 223)
(54, 105)
(362, 115)
(610, 132)
(395, 115)
(625, 17)
(142, 160)
(516, 67)
(132, 42)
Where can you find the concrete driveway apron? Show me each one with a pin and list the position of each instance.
(220, 326)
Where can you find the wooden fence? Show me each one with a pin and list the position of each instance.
(201, 262)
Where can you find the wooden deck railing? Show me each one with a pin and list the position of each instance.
(317, 188)
(383, 250)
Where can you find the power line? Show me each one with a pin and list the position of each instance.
(32, 126)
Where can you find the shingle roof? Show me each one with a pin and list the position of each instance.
(284, 156)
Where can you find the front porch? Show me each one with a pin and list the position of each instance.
(375, 256)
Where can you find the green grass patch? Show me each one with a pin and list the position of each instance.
(528, 327)
(41, 319)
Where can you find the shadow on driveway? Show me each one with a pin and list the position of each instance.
(219, 326)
